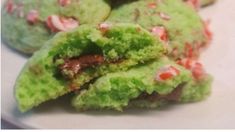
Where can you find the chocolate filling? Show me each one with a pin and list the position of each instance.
(74, 66)
(173, 96)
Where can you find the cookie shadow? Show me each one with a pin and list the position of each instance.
(5, 43)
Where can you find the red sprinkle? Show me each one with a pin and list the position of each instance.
(152, 5)
(194, 3)
(195, 67)
(32, 16)
(50, 25)
(64, 2)
(189, 50)
(10, 6)
(166, 73)
(198, 72)
(57, 23)
(69, 23)
(161, 32)
(104, 27)
(164, 16)
(207, 31)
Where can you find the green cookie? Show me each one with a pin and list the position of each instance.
(71, 59)
(175, 23)
(138, 87)
(25, 22)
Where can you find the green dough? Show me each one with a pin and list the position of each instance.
(121, 89)
(27, 38)
(193, 91)
(184, 27)
(122, 46)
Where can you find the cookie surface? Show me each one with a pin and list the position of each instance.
(141, 87)
(176, 23)
(27, 24)
(71, 59)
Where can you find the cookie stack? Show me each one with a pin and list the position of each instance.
(109, 54)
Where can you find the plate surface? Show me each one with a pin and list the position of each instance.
(218, 111)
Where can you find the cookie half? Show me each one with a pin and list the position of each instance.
(148, 86)
(71, 59)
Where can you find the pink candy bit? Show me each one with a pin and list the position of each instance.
(164, 16)
(64, 2)
(69, 23)
(195, 67)
(166, 73)
(10, 6)
(32, 16)
(103, 27)
(207, 31)
(50, 24)
(160, 32)
(56, 23)
(188, 50)
(192, 50)
(152, 5)
(194, 3)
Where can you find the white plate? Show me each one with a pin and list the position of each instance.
(218, 111)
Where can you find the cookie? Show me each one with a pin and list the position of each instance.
(71, 59)
(174, 22)
(27, 24)
(148, 86)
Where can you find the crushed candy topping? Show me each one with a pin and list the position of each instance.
(189, 52)
(166, 73)
(32, 16)
(194, 3)
(10, 6)
(152, 5)
(164, 16)
(69, 23)
(57, 23)
(207, 31)
(161, 32)
(103, 27)
(64, 2)
(74, 66)
(195, 67)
